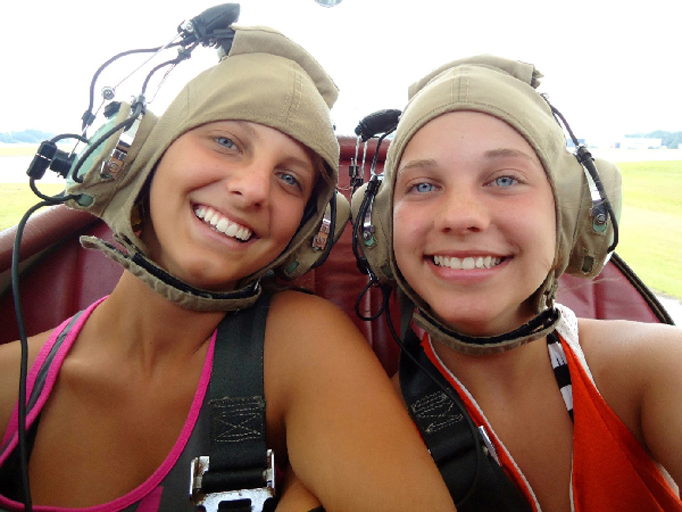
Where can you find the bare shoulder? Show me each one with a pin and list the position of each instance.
(308, 338)
(10, 358)
(629, 359)
(617, 341)
(307, 318)
(621, 349)
(289, 301)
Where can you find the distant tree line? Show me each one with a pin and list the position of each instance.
(668, 139)
(25, 136)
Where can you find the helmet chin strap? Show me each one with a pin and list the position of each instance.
(538, 327)
(170, 287)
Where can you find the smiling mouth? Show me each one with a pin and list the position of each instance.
(468, 263)
(222, 224)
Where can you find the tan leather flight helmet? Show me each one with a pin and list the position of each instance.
(264, 78)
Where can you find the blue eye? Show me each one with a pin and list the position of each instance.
(423, 187)
(289, 179)
(505, 181)
(226, 142)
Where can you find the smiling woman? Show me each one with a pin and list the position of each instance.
(480, 211)
(200, 370)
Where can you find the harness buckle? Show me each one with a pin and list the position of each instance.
(254, 500)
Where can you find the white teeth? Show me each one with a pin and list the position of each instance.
(468, 263)
(222, 224)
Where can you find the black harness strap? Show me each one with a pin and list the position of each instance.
(238, 451)
(474, 478)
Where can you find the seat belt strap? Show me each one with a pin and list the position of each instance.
(238, 473)
(474, 478)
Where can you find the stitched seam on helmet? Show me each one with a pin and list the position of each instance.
(295, 101)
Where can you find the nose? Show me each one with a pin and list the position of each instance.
(463, 211)
(250, 185)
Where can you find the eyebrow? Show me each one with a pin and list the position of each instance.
(245, 125)
(429, 163)
(425, 163)
(506, 153)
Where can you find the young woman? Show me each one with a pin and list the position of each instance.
(480, 211)
(227, 187)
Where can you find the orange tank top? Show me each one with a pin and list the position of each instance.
(611, 470)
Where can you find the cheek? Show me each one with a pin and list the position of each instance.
(159, 197)
(550, 246)
(545, 232)
(288, 219)
(401, 224)
(550, 226)
(407, 233)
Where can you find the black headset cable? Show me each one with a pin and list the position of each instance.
(23, 366)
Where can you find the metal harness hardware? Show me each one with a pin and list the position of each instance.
(253, 500)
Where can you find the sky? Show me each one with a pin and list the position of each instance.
(611, 67)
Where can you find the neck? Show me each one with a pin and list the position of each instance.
(140, 325)
(502, 373)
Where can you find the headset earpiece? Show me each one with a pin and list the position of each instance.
(363, 230)
(597, 229)
(370, 205)
(314, 251)
(108, 156)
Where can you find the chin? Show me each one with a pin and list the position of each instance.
(465, 321)
(203, 281)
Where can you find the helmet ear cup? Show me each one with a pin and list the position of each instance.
(101, 169)
(370, 212)
(595, 233)
(315, 249)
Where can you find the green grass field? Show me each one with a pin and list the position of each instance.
(16, 198)
(651, 222)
